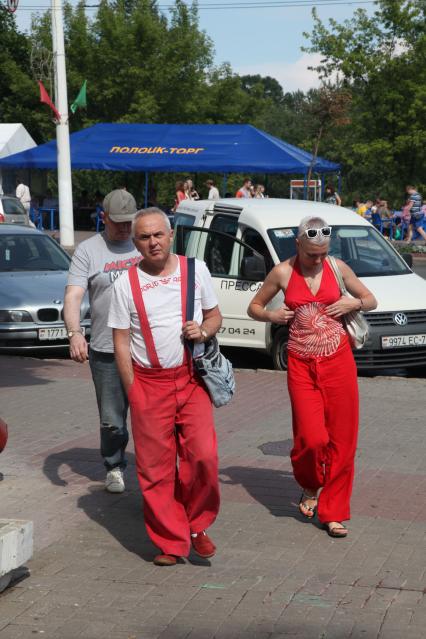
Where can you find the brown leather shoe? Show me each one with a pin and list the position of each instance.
(165, 560)
(203, 545)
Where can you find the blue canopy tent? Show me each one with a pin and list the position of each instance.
(215, 148)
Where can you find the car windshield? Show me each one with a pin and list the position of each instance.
(362, 248)
(11, 206)
(31, 253)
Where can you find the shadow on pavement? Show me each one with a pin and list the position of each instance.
(86, 462)
(276, 490)
(27, 371)
(121, 515)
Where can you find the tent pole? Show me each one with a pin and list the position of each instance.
(339, 183)
(305, 187)
(146, 188)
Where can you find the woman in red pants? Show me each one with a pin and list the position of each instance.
(322, 378)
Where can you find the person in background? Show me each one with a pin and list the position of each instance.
(244, 191)
(96, 264)
(191, 193)
(321, 373)
(181, 194)
(383, 215)
(414, 205)
(99, 209)
(359, 207)
(331, 196)
(259, 191)
(24, 196)
(368, 213)
(213, 190)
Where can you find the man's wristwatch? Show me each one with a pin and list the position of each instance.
(71, 333)
(204, 334)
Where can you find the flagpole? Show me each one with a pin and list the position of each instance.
(66, 219)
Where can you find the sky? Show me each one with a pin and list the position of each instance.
(265, 40)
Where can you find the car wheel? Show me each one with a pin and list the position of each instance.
(279, 349)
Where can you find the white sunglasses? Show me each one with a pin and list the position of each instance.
(325, 231)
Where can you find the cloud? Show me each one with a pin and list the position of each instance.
(291, 75)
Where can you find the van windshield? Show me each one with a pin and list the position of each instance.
(362, 248)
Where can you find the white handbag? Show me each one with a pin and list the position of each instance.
(354, 322)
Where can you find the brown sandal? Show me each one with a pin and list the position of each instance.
(338, 532)
(311, 509)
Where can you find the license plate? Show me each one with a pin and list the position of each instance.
(399, 341)
(50, 334)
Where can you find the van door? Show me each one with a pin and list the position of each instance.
(228, 260)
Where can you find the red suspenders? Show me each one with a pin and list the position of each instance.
(140, 307)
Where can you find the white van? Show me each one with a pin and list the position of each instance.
(242, 239)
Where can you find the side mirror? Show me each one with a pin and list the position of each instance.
(408, 259)
(253, 268)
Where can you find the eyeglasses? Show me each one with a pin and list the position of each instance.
(325, 231)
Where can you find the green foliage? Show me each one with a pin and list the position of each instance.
(381, 60)
(19, 94)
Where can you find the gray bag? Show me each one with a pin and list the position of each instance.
(216, 372)
(213, 367)
(354, 322)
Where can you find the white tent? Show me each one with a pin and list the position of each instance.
(14, 138)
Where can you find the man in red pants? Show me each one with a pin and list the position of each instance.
(170, 407)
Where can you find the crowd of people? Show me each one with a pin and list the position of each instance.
(185, 191)
(406, 223)
(141, 358)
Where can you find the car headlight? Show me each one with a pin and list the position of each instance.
(15, 316)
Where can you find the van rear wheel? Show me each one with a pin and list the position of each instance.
(279, 349)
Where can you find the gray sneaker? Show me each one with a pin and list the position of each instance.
(114, 482)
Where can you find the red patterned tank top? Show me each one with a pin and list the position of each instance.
(313, 333)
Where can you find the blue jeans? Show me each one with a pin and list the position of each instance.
(112, 406)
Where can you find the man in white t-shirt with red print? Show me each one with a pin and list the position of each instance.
(170, 407)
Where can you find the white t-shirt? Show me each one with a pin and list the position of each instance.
(213, 193)
(162, 300)
(23, 193)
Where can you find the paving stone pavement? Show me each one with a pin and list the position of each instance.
(274, 575)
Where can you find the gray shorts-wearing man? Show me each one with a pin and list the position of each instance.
(96, 264)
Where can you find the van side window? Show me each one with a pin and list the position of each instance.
(218, 252)
(256, 241)
(183, 219)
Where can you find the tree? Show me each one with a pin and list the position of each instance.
(329, 109)
(381, 60)
(19, 96)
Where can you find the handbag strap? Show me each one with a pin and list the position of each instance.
(338, 275)
(190, 299)
(143, 318)
(184, 288)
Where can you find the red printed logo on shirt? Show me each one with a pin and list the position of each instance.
(118, 267)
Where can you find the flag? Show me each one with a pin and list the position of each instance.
(81, 100)
(44, 97)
